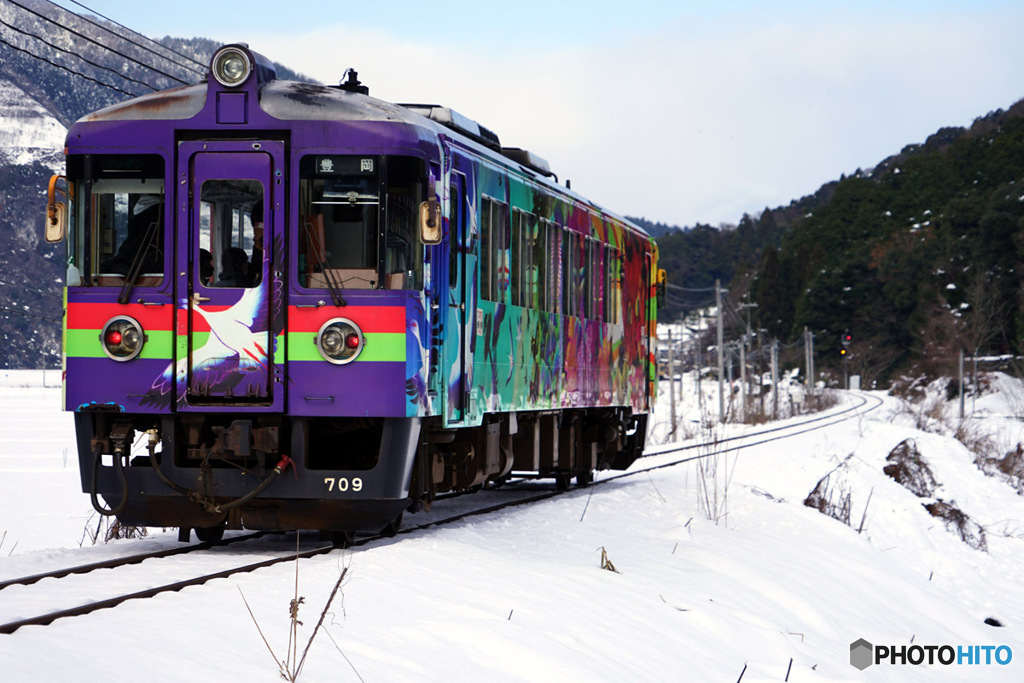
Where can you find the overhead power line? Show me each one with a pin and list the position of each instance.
(69, 70)
(75, 55)
(29, 315)
(687, 289)
(201, 65)
(96, 42)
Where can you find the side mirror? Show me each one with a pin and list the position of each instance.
(661, 288)
(430, 222)
(56, 210)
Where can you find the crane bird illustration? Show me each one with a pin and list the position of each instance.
(239, 347)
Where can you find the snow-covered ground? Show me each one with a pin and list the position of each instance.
(774, 586)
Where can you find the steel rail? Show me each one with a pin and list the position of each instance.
(46, 619)
(827, 416)
(836, 417)
(122, 561)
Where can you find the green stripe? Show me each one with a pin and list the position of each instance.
(378, 346)
(279, 356)
(86, 344)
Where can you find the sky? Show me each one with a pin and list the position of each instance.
(680, 112)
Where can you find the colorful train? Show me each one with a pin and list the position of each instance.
(295, 306)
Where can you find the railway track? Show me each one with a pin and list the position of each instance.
(865, 403)
(442, 515)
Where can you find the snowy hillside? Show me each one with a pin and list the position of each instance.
(773, 589)
(28, 132)
(31, 271)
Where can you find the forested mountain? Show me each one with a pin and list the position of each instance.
(694, 257)
(919, 258)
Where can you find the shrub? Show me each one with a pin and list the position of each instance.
(956, 520)
(908, 467)
(1010, 467)
(821, 499)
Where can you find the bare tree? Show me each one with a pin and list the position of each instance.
(981, 322)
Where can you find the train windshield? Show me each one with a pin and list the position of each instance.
(118, 226)
(358, 222)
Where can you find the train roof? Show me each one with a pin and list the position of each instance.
(349, 101)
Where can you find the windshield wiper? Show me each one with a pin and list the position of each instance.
(148, 242)
(320, 255)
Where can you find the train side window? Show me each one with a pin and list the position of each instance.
(515, 259)
(494, 249)
(540, 262)
(454, 234)
(524, 265)
(500, 223)
(596, 268)
(403, 253)
(582, 277)
(557, 260)
(566, 279)
(485, 249)
(613, 296)
(575, 284)
(568, 271)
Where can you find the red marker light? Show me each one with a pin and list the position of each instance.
(339, 341)
(122, 338)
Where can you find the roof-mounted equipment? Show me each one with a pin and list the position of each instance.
(528, 159)
(352, 84)
(449, 118)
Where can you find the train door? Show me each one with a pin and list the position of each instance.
(229, 321)
(456, 350)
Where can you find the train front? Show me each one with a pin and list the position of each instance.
(246, 316)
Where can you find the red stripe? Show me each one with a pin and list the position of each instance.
(372, 319)
(93, 316)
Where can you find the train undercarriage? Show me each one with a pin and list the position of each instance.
(216, 471)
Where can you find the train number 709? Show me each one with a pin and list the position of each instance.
(343, 484)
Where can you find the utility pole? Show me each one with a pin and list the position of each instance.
(743, 379)
(748, 339)
(961, 385)
(807, 360)
(672, 378)
(810, 359)
(721, 360)
(699, 362)
(775, 379)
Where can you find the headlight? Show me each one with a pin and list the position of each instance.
(339, 341)
(122, 338)
(231, 66)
